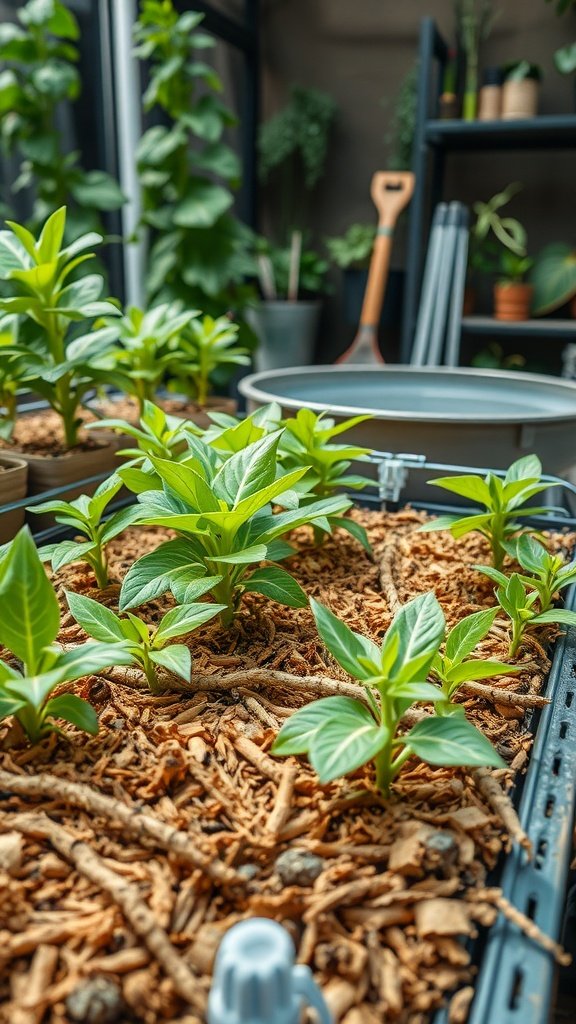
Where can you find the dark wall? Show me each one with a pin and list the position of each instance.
(359, 52)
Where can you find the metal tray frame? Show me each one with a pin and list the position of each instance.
(516, 977)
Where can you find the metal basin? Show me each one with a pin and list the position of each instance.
(461, 416)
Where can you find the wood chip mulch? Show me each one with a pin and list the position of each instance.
(125, 857)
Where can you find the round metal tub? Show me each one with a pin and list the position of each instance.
(461, 416)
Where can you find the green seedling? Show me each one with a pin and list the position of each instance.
(148, 646)
(503, 500)
(339, 734)
(156, 434)
(546, 573)
(52, 356)
(84, 515)
(151, 350)
(209, 346)
(227, 527)
(519, 602)
(455, 666)
(29, 624)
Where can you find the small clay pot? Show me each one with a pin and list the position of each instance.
(520, 99)
(512, 300)
(13, 483)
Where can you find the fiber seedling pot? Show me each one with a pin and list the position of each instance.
(46, 472)
(520, 99)
(13, 482)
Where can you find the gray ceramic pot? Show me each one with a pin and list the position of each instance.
(287, 333)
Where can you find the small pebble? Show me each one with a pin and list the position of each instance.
(298, 867)
(97, 1001)
(248, 871)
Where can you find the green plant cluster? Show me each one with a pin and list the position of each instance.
(187, 171)
(498, 244)
(38, 57)
(61, 340)
(231, 501)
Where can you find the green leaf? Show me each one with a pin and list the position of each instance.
(98, 190)
(468, 633)
(75, 710)
(531, 554)
(278, 585)
(561, 616)
(90, 657)
(494, 574)
(355, 529)
(420, 627)
(344, 645)
(554, 274)
(255, 553)
(479, 670)
(439, 523)
(184, 619)
(203, 205)
(120, 521)
(528, 467)
(10, 705)
(278, 550)
(452, 741)
(96, 620)
(472, 487)
(248, 471)
(34, 689)
(175, 659)
(51, 237)
(30, 615)
(69, 551)
(297, 731)
(187, 483)
(416, 691)
(176, 561)
(348, 738)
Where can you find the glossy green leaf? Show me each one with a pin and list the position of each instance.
(468, 633)
(349, 737)
(10, 705)
(278, 585)
(73, 709)
(176, 659)
(184, 619)
(470, 670)
(344, 645)
(472, 487)
(96, 619)
(297, 731)
(419, 626)
(30, 615)
(452, 741)
(91, 657)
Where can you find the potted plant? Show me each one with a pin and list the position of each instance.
(55, 353)
(520, 90)
(512, 294)
(490, 235)
(292, 147)
(286, 321)
(553, 278)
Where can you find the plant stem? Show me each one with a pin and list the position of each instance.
(517, 633)
(149, 670)
(97, 560)
(224, 593)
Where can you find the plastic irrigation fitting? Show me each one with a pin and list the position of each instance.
(256, 980)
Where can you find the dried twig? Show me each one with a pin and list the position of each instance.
(138, 915)
(280, 812)
(387, 583)
(502, 805)
(495, 898)
(138, 823)
(499, 695)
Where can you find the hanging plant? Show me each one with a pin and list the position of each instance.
(187, 172)
(39, 57)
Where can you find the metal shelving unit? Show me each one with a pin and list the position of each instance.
(434, 140)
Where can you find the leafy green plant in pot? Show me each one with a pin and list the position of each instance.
(38, 56)
(520, 90)
(293, 147)
(553, 279)
(498, 246)
(56, 353)
(187, 170)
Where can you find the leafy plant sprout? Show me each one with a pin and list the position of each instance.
(54, 359)
(227, 527)
(209, 346)
(85, 516)
(503, 501)
(340, 734)
(455, 666)
(29, 624)
(148, 646)
(518, 601)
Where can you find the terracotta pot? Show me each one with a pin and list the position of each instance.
(512, 300)
(13, 482)
(520, 99)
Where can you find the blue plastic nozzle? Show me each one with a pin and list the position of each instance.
(256, 980)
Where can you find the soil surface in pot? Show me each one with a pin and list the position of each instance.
(376, 894)
(40, 433)
(126, 408)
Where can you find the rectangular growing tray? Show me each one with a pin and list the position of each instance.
(516, 977)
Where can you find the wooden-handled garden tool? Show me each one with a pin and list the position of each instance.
(391, 191)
